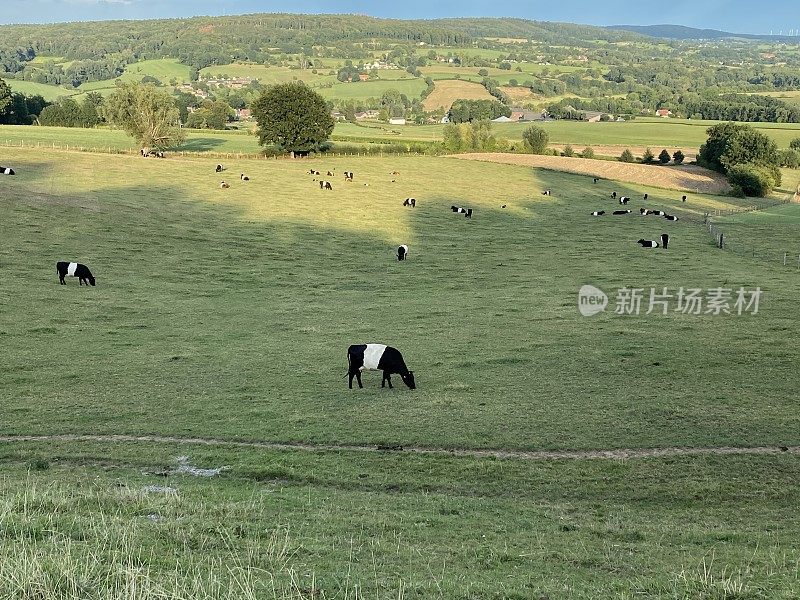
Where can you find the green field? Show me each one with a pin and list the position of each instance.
(373, 89)
(226, 314)
(30, 88)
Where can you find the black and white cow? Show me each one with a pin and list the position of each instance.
(7, 171)
(621, 212)
(658, 213)
(377, 357)
(330, 173)
(454, 208)
(645, 196)
(313, 172)
(219, 169)
(648, 243)
(547, 193)
(614, 195)
(348, 176)
(645, 211)
(160, 154)
(244, 177)
(624, 199)
(402, 252)
(410, 202)
(598, 213)
(224, 185)
(325, 185)
(683, 198)
(71, 269)
(664, 240)
(596, 180)
(670, 217)
(467, 212)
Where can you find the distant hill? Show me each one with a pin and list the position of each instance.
(680, 32)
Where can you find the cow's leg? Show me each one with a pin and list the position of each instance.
(358, 377)
(61, 279)
(387, 378)
(350, 383)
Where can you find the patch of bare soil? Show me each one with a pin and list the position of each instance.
(685, 177)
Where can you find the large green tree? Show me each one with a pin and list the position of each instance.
(293, 117)
(147, 114)
(731, 144)
(5, 96)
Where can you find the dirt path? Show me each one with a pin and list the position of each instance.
(687, 178)
(616, 454)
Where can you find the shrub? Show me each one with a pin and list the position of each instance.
(754, 180)
(737, 191)
(795, 144)
(678, 157)
(626, 156)
(648, 157)
(535, 139)
(664, 157)
(568, 151)
(789, 158)
(588, 152)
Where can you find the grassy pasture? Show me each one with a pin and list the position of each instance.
(226, 314)
(46, 91)
(373, 88)
(225, 304)
(162, 69)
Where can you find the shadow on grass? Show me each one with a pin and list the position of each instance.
(200, 144)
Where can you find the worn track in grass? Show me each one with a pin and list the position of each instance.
(614, 454)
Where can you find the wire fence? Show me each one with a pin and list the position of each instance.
(771, 256)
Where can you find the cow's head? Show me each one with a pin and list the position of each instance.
(409, 380)
(91, 279)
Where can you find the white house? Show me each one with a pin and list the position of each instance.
(397, 121)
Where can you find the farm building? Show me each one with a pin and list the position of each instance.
(397, 121)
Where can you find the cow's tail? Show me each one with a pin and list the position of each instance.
(349, 364)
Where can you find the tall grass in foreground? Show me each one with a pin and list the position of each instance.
(57, 543)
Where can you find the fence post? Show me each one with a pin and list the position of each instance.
(721, 241)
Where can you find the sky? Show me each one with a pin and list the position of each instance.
(739, 16)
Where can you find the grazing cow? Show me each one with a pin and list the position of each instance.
(664, 240)
(72, 269)
(395, 173)
(244, 177)
(7, 171)
(598, 213)
(313, 172)
(219, 169)
(468, 214)
(670, 218)
(330, 173)
(348, 176)
(645, 196)
(410, 202)
(621, 212)
(159, 154)
(377, 357)
(683, 198)
(454, 208)
(624, 199)
(503, 206)
(546, 193)
(614, 195)
(325, 185)
(596, 180)
(402, 252)
(645, 211)
(658, 213)
(648, 243)
(224, 185)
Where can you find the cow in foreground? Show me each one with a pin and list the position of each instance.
(325, 185)
(219, 169)
(648, 243)
(71, 269)
(402, 252)
(377, 357)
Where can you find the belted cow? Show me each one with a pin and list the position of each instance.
(377, 357)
